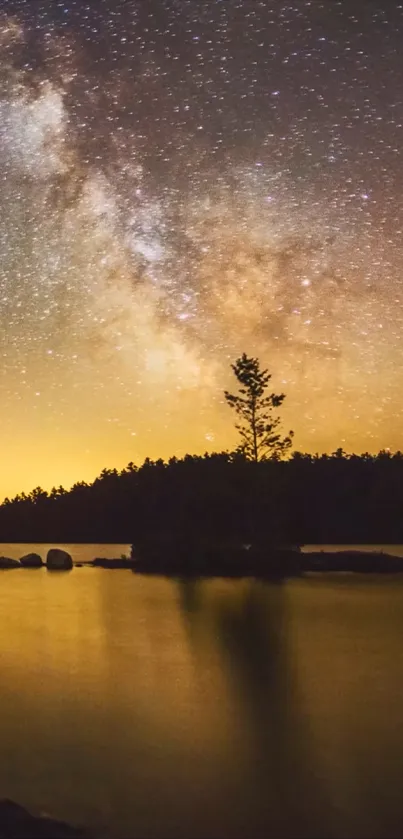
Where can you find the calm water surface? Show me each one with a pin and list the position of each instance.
(150, 707)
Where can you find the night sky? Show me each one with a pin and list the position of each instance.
(182, 181)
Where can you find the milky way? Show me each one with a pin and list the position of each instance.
(183, 181)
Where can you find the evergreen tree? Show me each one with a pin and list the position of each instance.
(258, 428)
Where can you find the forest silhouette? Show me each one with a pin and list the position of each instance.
(222, 497)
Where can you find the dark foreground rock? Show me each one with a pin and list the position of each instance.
(18, 823)
(31, 561)
(6, 562)
(58, 560)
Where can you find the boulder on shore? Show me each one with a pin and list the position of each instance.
(58, 560)
(31, 561)
(6, 562)
(17, 823)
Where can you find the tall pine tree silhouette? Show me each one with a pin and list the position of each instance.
(254, 406)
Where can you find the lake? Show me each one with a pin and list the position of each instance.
(148, 707)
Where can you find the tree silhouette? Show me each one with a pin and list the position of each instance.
(258, 428)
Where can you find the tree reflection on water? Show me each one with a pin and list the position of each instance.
(282, 794)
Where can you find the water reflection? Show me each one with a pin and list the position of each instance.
(252, 633)
(250, 623)
(350, 659)
(187, 708)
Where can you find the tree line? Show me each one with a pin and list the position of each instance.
(325, 498)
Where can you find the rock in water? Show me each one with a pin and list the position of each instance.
(58, 560)
(31, 561)
(5, 562)
(18, 823)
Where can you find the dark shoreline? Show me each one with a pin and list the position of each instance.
(262, 564)
(223, 561)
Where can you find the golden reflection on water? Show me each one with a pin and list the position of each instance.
(348, 647)
(155, 707)
(103, 696)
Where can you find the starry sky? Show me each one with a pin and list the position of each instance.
(182, 181)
